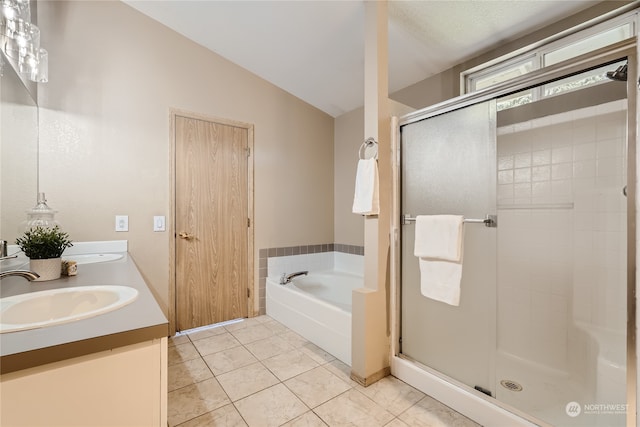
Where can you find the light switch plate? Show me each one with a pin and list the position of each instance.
(122, 222)
(158, 223)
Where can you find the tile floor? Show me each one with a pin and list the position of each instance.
(258, 372)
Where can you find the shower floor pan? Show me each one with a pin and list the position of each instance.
(546, 393)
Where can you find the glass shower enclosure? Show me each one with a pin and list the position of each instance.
(541, 328)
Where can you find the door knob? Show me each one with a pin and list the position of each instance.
(186, 236)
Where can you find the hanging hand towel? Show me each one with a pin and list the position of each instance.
(365, 199)
(439, 247)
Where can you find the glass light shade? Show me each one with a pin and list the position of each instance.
(34, 64)
(42, 74)
(21, 40)
(14, 9)
(23, 32)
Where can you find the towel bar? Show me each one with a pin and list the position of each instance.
(370, 142)
(488, 221)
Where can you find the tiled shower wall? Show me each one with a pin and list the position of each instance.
(562, 233)
(266, 253)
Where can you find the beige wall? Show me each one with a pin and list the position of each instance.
(348, 136)
(446, 85)
(114, 75)
(18, 154)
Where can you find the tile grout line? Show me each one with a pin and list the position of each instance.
(322, 364)
(258, 361)
(285, 331)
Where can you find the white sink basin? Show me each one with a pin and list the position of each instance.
(13, 263)
(56, 306)
(91, 258)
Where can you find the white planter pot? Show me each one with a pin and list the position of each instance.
(48, 269)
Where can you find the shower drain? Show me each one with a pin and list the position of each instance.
(511, 385)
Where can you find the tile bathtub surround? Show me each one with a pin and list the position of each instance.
(265, 254)
(276, 266)
(311, 249)
(277, 378)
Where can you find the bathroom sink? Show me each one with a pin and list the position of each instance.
(53, 307)
(91, 258)
(13, 263)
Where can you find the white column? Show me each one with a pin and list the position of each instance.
(370, 342)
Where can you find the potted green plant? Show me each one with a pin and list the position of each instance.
(44, 247)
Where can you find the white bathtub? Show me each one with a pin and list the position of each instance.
(318, 307)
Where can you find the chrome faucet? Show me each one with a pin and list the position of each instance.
(3, 251)
(286, 278)
(29, 275)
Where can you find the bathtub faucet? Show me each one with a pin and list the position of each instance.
(286, 278)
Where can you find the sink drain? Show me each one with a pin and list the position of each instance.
(511, 385)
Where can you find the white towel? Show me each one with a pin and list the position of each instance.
(439, 247)
(365, 199)
(439, 237)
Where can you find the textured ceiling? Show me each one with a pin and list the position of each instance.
(315, 49)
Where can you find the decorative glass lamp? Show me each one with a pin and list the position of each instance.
(41, 215)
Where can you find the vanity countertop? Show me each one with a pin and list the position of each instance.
(141, 320)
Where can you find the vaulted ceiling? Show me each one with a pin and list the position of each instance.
(315, 49)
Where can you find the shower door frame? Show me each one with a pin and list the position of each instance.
(475, 405)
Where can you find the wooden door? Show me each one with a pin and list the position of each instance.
(211, 197)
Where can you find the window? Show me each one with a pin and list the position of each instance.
(501, 74)
(515, 100)
(589, 78)
(588, 44)
(596, 37)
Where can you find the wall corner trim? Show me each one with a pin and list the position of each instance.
(373, 378)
